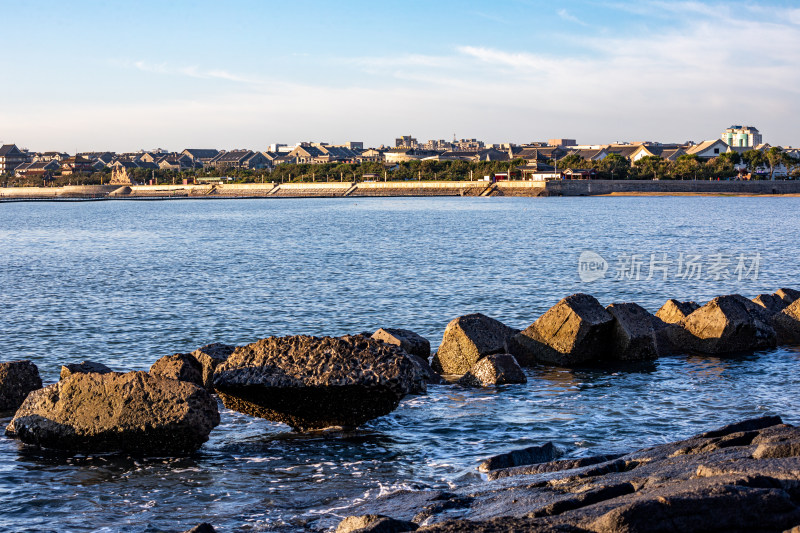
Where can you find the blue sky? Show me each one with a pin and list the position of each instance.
(129, 75)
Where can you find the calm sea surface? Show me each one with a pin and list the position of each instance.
(127, 282)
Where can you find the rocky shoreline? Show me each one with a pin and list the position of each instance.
(313, 383)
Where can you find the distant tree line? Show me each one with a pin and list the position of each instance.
(613, 166)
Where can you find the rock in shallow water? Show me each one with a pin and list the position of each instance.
(17, 379)
(467, 339)
(729, 324)
(180, 366)
(132, 412)
(315, 382)
(674, 311)
(495, 369)
(574, 331)
(373, 523)
(210, 357)
(633, 336)
(412, 343)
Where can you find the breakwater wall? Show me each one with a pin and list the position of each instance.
(402, 188)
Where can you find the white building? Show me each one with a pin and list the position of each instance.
(741, 136)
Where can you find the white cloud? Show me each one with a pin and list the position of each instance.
(195, 72)
(564, 14)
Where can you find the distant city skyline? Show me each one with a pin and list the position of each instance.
(103, 76)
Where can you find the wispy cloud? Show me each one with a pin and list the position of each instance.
(564, 14)
(195, 72)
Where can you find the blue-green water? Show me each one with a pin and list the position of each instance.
(127, 282)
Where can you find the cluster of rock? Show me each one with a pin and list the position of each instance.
(739, 478)
(578, 330)
(311, 383)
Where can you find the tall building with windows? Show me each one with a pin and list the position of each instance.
(742, 136)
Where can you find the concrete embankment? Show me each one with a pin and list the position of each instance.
(407, 188)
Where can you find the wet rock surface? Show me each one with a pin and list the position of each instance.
(374, 524)
(467, 339)
(17, 380)
(527, 456)
(742, 477)
(787, 324)
(576, 330)
(315, 382)
(789, 296)
(495, 369)
(133, 412)
(412, 343)
(84, 367)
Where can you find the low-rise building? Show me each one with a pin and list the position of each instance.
(11, 157)
(75, 164)
(741, 136)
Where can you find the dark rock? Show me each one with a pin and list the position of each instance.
(789, 296)
(634, 337)
(576, 330)
(772, 303)
(84, 367)
(374, 524)
(419, 383)
(205, 527)
(552, 466)
(495, 369)
(787, 324)
(133, 412)
(671, 339)
(313, 383)
(526, 456)
(180, 366)
(674, 311)
(467, 339)
(409, 341)
(210, 356)
(17, 379)
(729, 324)
(751, 424)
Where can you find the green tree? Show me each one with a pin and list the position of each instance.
(613, 166)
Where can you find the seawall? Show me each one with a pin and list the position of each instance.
(403, 188)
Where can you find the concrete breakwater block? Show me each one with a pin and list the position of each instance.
(316, 382)
(467, 339)
(494, 369)
(132, 412)
(574, 331)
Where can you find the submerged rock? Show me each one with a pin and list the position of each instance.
(180, 366)
(467, 339)
(494, 369)
(17, 380)
(633, 335)
(205, 527)
(409, 341)
(729, 324)
(315, 382)
(210, 357)
(133, 412)
(84, 367)
(574, 331)
(674, 311)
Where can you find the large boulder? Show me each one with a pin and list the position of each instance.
(373, 523)
(180, 366)
(788, 295)
(545, 453)
(576, 330)
(787, 324)
(494, 369)
(84, 367)
(133, 412)
(409, 341)
(729, 324)
(467, 339)
(633, 336)
(315, 382)
(673, 311)
(17, 379)
(210, 357)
